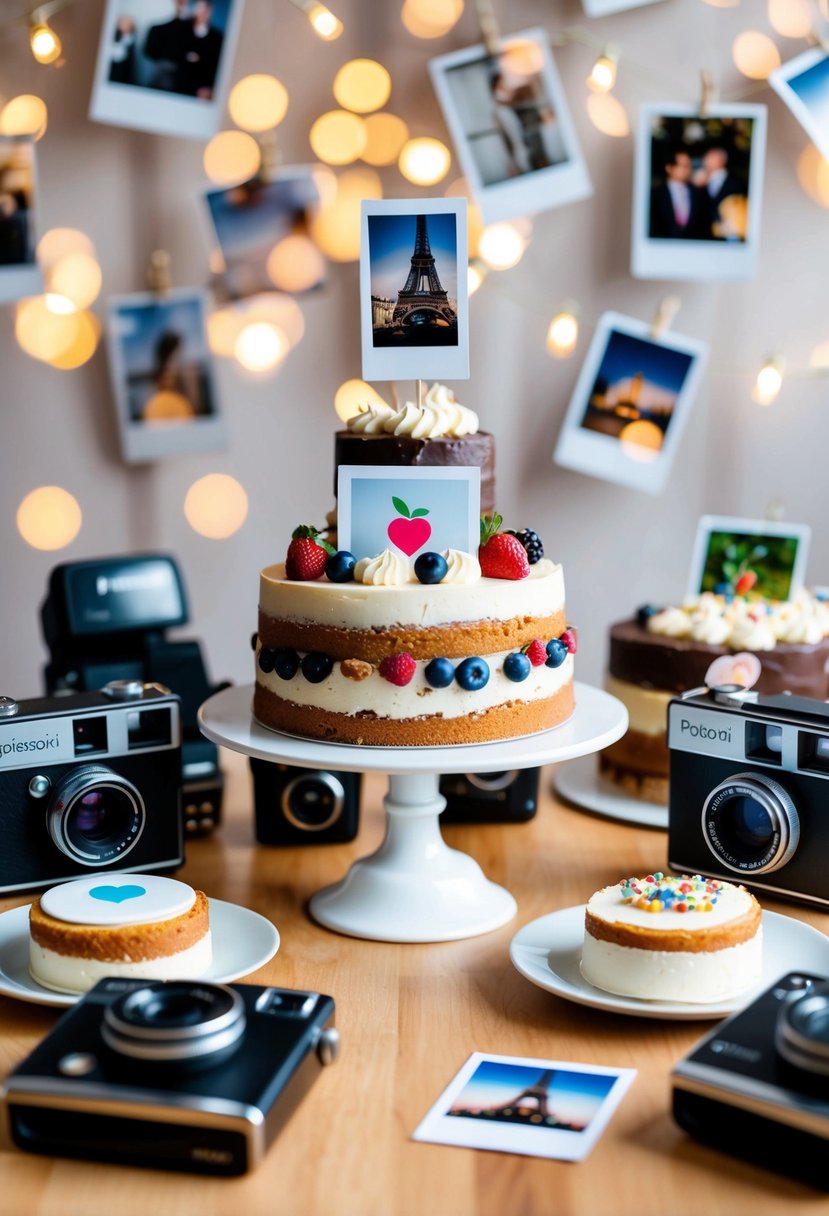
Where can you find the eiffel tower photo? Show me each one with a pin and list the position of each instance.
(423, 313)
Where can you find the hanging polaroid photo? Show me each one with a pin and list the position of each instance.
(414, 303)
(162, 377)
(756, 558)
(631, 403)
(262, 230)
(803, 83)
(698, 192)
(601, 8)
(511, 127)
(164, 65)
(20, 274)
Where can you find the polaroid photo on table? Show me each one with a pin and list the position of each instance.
(511, 126)
(164, 65)
(262, 230)
(162, 377)
(540, 1108)
(600, 8)
(757, 558)
(409, 510)
(803, 83)
(20, 274)
(698, 192)
(631, 403)
(414, 300)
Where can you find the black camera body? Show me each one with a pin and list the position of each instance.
(173, 1075)
(106, 619)
(90, 782)
(749, 779)
(510, 796)
(304, 806)
(756, 1085)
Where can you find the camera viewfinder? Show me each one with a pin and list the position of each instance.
(764, 741)
(813, 752)
(282, 1001)
(149, 728)
(89, 735)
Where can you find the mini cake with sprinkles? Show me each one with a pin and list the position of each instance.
(662, 938)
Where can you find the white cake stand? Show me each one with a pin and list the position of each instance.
(414, 888)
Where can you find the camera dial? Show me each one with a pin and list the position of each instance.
(750, 824)
(313, 801)
(492, 781)
(95, 816)
(176, 1022)
(802, 1032)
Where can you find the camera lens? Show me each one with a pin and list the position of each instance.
(95, 816)
(492, 781)
(191, 1025)
(313, 801)
(750, 823)
(802, 1032)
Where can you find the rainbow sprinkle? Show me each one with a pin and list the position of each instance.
(656, 893)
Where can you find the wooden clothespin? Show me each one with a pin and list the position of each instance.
(489, 26)
(271, 156)
(708, 92)
(666, 310)
(420, 394)
(159, 272)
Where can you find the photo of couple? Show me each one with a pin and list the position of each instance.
(17, 245)
(175, 48)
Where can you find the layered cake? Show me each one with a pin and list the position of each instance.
(438, 433)
(776, 646)
(688, 939)
(135, 926)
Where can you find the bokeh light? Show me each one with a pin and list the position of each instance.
(295, 264)
(49, 518)
(768, 383)
(216, 506)
(338, 137)
(475, 275)
(24, 115)
(85, 337)
(790, 18)
(501, 246)
(58, 242)
(641, 440)
(603, 73)
(608, 115)
(813, 175)
(45, 44)
(520, 60)
(260, 346)
(430, 18)
(563, 334)
(223, 328)
(354, 396)
(231, 156)
(42, 331)
(324, 23)
(362, 85)
(258, 102)
(336, 226)
(77, 276)
(459, 188)
(424, 161)
(755, 55)
(819, 357)
(385, 136)
(275, 308)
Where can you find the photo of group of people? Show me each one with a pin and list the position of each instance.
(177, 52)
(19, 274)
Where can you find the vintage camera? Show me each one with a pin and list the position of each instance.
(510, 796)
(749, 779)
(303, 805)
(89, 782)
(106, 620)
(178, 1074)
(756, 1085)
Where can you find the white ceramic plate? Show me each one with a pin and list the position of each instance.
(547, 952)
(242, 941)
(580, 782)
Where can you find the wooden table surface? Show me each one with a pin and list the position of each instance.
(409, 1016)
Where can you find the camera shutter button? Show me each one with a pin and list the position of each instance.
(328, 1045)
(39, 786)
(77, 1064)
(124, 690)
(8, 707)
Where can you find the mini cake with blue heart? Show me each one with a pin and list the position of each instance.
(136, 926)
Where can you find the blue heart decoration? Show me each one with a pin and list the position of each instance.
(117, 895)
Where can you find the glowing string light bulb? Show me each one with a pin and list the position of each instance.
(769, 382)
(602, 76)
(323, 22)
(475, 274)
(563, 333)
(261, 346)
(45, 44)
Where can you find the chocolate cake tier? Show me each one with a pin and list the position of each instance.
(677, 664)
(403, 450)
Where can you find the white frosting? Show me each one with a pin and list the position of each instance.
(371, 421)
(745, 624)
(694, 977)
(462, 567)
(749, 634)
(647, 707)
(118, 899)
(439, 416)
(671, 622)
(732, 902)
(386, 569)
(65, 973)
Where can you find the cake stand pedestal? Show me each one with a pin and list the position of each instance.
(414, 888)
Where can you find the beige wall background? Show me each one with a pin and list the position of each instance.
(133, 192)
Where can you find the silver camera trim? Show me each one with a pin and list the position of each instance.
(792, 1043)
(72, 786)
(335, 786)
(171, 1044)
(777, 804)
(478, 782)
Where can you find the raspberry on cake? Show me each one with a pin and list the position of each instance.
(658, 938)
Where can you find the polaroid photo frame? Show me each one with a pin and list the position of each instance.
(710, 230)
(515, 165)
(803, 84)
(601, 8)
(158, 72)
(408, 510)
(162, 377)
(414, 300)
(772, 556)
(20, 274)
(631, 403)
(567, 1106)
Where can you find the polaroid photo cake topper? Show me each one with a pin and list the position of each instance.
(757, 558)
(541, 1108)
(164, 65)
(511, 126)
(631, 403)
(698, 192)
(803, 83)
(410, 511)
(414, 301)
(162, 375)
(20, 274)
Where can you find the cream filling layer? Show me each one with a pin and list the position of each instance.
(70, 973)
(647, 707)
(355, 606)
(339, 695)
(732, 902)
(704, 977)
